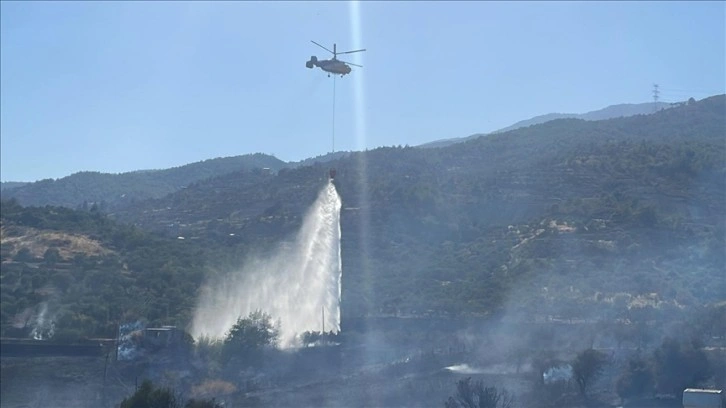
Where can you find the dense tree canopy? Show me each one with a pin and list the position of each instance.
(679, 365)
(249, 337)
(477, 395)
(586, 367)
(558, 219)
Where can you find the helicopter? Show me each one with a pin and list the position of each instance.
(334, 65)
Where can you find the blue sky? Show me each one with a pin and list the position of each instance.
(115, 87)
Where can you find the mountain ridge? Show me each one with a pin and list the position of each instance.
(114, 191)
(556, 219)
(615, 185)
(109, 189)
(599, 114)
(609, 112)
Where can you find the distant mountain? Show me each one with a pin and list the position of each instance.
(319, 159)
(613, 111)
(117, 190)
(8, 185)
(630, 205)
(577, 218)
(114, 191)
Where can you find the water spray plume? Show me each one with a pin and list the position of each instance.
(44, 325)
(293, 285)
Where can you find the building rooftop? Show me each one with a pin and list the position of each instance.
(703, 390)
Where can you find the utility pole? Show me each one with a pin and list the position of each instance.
(655, 97)
(322, 335)
(118, 337)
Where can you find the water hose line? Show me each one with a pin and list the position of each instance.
(333, 114)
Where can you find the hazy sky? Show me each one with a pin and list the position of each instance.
(114, 87)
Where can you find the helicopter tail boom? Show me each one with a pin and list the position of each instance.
(313, 62)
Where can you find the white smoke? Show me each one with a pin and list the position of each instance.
(44, 325)
(295, 285)
(128, 341)
(493, 369)
(558, 373)
(464, 369)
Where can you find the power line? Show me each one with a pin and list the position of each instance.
(694, 91)
(683, 94)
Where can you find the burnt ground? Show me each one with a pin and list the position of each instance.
(78, 382)
(63, 382)
(373, 371)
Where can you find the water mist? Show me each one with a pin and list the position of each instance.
(298, 284)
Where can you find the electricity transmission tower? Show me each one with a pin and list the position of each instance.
(655, 97)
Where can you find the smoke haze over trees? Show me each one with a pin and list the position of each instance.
(520, 254)
(623, 208)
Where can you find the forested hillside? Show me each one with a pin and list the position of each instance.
(83, 189)
(631, 205)
(610, 112)
(7, 185)
(456, 229)
(570, 217)
(76, 273)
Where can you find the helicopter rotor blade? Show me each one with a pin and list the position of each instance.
(322, 47)
(350, 63)
(350, 52)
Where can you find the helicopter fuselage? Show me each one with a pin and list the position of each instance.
(332, 66)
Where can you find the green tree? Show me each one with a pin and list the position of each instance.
(192, 403)
(24, 255)
(51, 256)
(148, 396)
(476, 395)
(588, 365)
(636, 380)
(249, 336)
(679, 365)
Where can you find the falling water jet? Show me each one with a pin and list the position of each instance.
(292, 285)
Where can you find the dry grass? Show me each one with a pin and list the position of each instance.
(38, 241)
(213, 389)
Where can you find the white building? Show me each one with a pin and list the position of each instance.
(697, 398)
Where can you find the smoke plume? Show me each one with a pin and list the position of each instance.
(297, 284)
